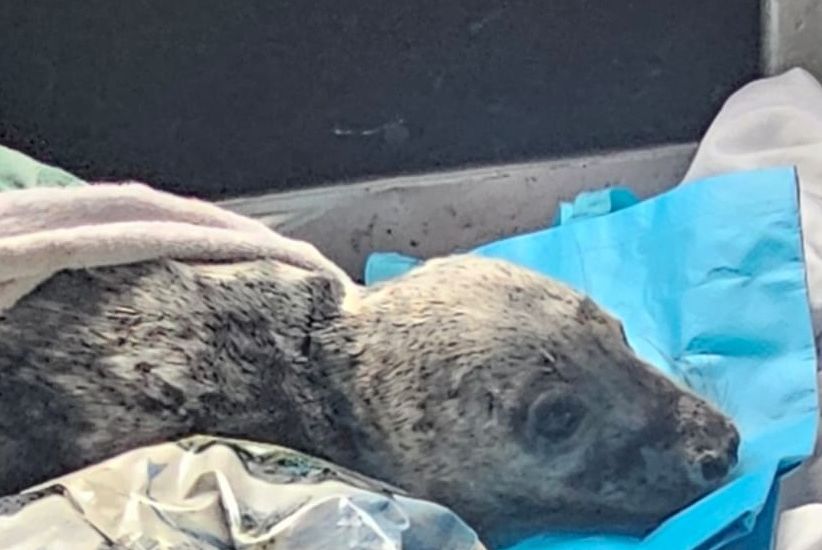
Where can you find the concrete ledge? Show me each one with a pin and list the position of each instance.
(792, 35)
(434, 214)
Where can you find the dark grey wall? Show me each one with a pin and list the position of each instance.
(221, 97)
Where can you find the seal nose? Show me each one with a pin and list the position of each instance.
(716, 467)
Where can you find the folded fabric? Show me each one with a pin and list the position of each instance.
(204, 492)
(800, 529)
(19, 171)
(709, 282)
(44, 230)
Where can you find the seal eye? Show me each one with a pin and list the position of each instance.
(555, 417)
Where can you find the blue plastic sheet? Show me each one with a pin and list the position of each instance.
(591, 204)
(709, 282)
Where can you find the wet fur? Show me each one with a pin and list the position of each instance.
(424, 382)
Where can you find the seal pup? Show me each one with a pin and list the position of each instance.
(483, 386)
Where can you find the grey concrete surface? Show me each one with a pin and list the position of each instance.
(792, 35)
(437, 213)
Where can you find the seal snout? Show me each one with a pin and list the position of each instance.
(714, 466)
(711, 442)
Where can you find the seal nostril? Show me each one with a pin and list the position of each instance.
(714, 468)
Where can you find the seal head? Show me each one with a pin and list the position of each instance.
(517, 402)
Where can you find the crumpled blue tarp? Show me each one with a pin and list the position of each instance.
(709, 282)
(591, 204)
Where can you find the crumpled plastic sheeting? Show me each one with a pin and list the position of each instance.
(709, 282)
(591, 204)
(778, 121)
(221, 494)
(774, 121)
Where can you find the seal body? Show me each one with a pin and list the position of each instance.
(471, 382)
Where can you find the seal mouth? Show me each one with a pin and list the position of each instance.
(714, 466)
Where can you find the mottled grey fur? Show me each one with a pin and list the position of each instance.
(471, 382)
